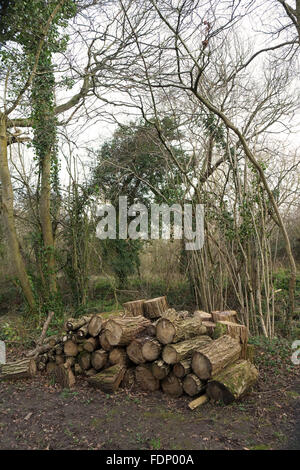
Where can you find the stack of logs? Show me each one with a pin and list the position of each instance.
(151, 346)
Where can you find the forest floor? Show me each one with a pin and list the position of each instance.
(37, 414)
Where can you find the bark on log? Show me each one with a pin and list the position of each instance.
(64, 376)
(73, 324)
(192, 385)
(224, 315)
(198, 402)
(70, 348)
(160, 369)
(232, 382)
(18, 370)
(210, 326)
(145, 379)
(239, 332)
(82, 332)
(248, 352)
(173, 331)
(211, 359)
(154, 308)
(172, 385)
(134, 308)
(173, 353)
(204, 316)
(118, 356)
(99, 359)
(182, 368)
(95, 325)
(151, 349)
(121, 331)
(109, 379)
(91, 344)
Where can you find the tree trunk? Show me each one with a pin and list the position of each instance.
(145, 379)
(109, 379)
(173, 353)
(134, 308)
(18, 369)
(182, 368)
(192, 385)
(208, 361)
(160, 369)
(121, 331)
(154, 308)
(232, 382)
(172, 386)
(174, 331)
(99, 359)
(95, 325)
(8, 216)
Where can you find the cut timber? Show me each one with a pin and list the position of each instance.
(192, 385)
(232, 382)
(70, 361)
(18, 369)
(173, 353)
(121, 331)
(145, 379)
(95, 325)
(224, 315)
(104, 343)
(134, 308)
(64, 376)
(210, 326)
(154, 308)
(91, 372)
(59, 360)
(239, 332)
(82, 332)
(211, 359)
(182, 368)
(109, 379)
(198, 402)
(118, 356)
(77, 369)
(160, 369)
(73, 324)
(99, 359)
(204, 316)
(151, 349)
(84, 360)
(172, 386)
(70, 348)
(134, 351)
(50, 367)
(129, 378)
(248, 352)
(173, 331)
(90, 344)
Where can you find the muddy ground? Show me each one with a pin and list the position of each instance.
(37, 414)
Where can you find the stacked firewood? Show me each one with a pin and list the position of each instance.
(151, 346)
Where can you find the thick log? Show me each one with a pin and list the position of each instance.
(64, 376)
(21, 369)
(248, 352)
(91, 372)
(103, 342)
(84, 360)
(160, 369)
(95, 325)
(224, 315)
(70, 361)
(109, 379)
(173, 331)
(134, 351)
(73, 324)
(70, 348)
(182, 368)
(59, 360)
(128, 381)
(232, 382)
(172, 385)
(90, 344)
(154, 308)
(173, 353)
(145, 379)
(211, 359)
(50, 367)
(239, 332)
(59, 349)
(134, 308)
(121, 331)
(192, 385)
(204, 316)
(210, 326)
(151, 349)
(77, 369)
(198, 402)
(82, 332)
(99, 359)
(118, 356)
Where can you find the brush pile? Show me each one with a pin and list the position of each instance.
(149, 346)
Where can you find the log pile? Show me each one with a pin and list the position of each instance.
(150, 347)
